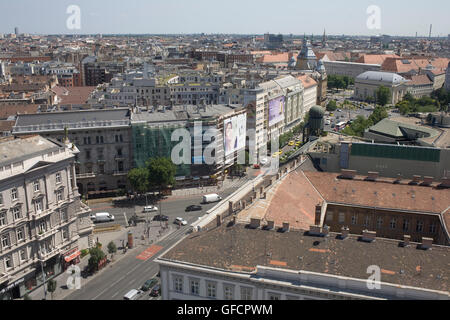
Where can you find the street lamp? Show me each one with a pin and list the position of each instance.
(43, 274)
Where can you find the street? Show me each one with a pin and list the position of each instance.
(138, 265)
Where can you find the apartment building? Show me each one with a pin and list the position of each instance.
(103, 138)
(43, 223)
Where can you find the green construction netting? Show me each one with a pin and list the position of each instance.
(396, 152)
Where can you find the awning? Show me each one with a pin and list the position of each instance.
(72, 256)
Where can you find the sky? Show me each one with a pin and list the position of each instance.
(337, 17)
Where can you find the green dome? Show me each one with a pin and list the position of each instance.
(316, 112)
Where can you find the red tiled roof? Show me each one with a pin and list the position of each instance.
(73, 95)
(375, 58)
(7, 110)
(307, 81)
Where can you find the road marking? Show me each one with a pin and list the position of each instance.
(149, 252)
(115, 294)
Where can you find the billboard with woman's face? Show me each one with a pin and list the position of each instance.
(235, 129)
(276, 111)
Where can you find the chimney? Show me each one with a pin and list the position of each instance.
(345, 231)
(348, 174)
(416, 179)
(406, 240)
(398, 179)
(270, 225)
(445, 183)
(286, 226)
(315, 231)
(427, 243)
(373, 176)
(219, 220)
(427, 181)
(255, 223)
(369, 236)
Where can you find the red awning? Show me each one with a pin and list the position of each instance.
(73, 256)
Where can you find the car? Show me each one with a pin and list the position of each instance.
(132, 294)
(264, 161)
(150, 209)
(256, 166)
(298, 144)
(275, 155)
(180, 221)
(194, 208)
(161, 218)
(134, 220)
(156, 291)
(149, 284)
(291, 143)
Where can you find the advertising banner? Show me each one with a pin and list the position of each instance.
(235, 129)
(276, 111)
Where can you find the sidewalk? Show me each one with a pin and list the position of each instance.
(227, 184)
(139, 245)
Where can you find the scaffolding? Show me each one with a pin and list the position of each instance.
(154, 141)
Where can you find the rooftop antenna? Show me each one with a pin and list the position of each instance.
(431, 28)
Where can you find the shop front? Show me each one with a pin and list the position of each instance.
(71, 257)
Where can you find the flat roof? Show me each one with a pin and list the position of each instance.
(228, 246)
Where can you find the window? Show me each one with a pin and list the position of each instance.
(195, 287)
(1, 199)
(88, 154)
(274, 296)
(246, 293)
(39, 206)
(59, 195)
(42, 227)
(64, 216)
(101, 168)
(23, 255)
(354, 219)
(341, 217)
(14, 194)
(178, 284)
(419, 227)
(16, 213)
(329, 216)
(36, 186)
(119, 152)
(393, 223)
(366, 221)
(20, 234)
(433, 228)
(65, 234)
(228, 292)
(2, 218)
(379, 223)
(5, 240)
(8, 262)
(58, 178)
(405, 225)
(211, 290)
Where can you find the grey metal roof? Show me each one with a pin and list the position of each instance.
(73, 117)
(387, 77)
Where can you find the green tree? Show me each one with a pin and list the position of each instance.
(383, 95)
(96, 256)
(332, 106)
(112, 249)
(161, 172)
(378, 114)
(139, 180)
(51, 286)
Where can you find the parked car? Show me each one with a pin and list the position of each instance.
(161, 218)
(256, 166)
(180, 221)
(194, 208)
(149, 284)
(150, 209)
(291, 143)
(102, 217)
(156, 291)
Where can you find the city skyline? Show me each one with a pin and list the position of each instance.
(248, 18)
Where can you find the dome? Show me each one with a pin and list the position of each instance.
(316, 112)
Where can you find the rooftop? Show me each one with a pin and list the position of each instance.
(228, 246)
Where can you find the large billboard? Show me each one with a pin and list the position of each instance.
(235, 133)
(276, 111)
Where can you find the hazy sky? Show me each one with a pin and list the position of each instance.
(398, 17)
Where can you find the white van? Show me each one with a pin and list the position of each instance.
(103, 217)
(132, 295)
(210, 198)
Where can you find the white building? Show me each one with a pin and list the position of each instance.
(367, 84)
(42, 220)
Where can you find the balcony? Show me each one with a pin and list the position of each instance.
(43, 213)
(86, 175)
(119, 158)
(46, 234)
(120, 173)
(4, 277)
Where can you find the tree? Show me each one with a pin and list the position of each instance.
(97, 255)
(383, 95)
(139, 180)
(112, 248)
(332, 105)
(378, 114)
(51, 286)
(161, 172)
(27, 297)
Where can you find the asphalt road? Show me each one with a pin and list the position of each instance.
(130, 272)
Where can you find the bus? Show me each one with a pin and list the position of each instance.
(340, 126)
